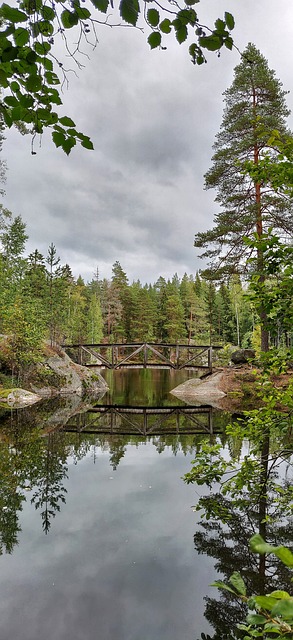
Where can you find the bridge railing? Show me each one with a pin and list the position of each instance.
(144, 355)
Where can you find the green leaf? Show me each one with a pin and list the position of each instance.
(283, 608)
(238, 583)
(43, 114)
(102, 5)
(255, 618)
(87, 143)
(17, 113)
(212, 43)
(47, 64)
(220, 25)
(7, 117)
(68, 144)
(14, 86)
(285, 555)
(32, 7)
(83, 13)
(69, 19)
(165, 26)
(26, 100)
(58, 138)
(11, 101)
(11, 53)
(30, 56)
(46, 28)
(181, 34)
(280, 594)
(42, 48)
(265, 602)
(258, 545)
(52, 78)
(21, 36)
(153, 17)
(154, 39)
(187, 16)
(229, 43)
(222, 585)
(34, 83)
(47, 12)
(66, 122)
(129, 10)
(229, 19)
(11, 14)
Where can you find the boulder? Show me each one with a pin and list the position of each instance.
(242, 356)
(62, 377)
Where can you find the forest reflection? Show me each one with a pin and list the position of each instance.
(231, 518)
(35, 448)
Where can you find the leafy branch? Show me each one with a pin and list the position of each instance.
(32, 76)
(268, 614)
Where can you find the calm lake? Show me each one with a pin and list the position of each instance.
(97, 527)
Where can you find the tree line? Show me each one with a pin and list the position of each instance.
(41, 300)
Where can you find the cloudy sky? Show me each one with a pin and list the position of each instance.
(138, 197)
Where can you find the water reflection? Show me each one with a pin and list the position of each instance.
(232, 516)
(147, 387)
(122, 561)
(118, 562)
(35, 446)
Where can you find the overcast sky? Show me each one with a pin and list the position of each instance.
(152, 115)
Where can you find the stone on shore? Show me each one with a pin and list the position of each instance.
(202, 391)
(62, 377)
(242, 356)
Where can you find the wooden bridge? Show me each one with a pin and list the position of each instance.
(143, 355)
(143, 420)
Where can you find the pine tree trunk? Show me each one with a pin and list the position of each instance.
(259, 228)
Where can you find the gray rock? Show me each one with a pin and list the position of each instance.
(242, 356)
(203, 389)
(20, 398)
(65, 377)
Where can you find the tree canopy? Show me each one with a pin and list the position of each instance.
(32, 73)
(254, 106)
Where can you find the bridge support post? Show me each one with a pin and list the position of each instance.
(177, 356)
(210, 359)
(210, 419)
(145, 355)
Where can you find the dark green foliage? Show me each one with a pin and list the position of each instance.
(254, 107)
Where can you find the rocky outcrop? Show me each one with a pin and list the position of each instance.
(242, 356)
(59, 375)
(201, 391)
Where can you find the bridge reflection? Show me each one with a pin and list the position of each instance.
(144, 420)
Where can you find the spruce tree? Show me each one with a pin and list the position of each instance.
(254, 107)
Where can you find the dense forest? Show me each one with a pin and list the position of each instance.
(40, 299)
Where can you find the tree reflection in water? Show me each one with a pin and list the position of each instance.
(231, 515)
(34, 461)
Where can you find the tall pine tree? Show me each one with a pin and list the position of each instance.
(254, 107)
